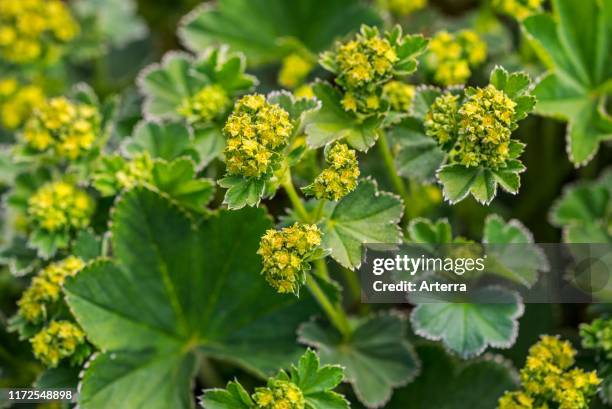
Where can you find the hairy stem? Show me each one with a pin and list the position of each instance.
(350, 277)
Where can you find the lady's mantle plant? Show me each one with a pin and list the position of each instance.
(548, 378)
(307, 385)
(474, 129)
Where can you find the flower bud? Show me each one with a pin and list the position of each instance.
(256, 132)
(60, 206)
(206, 105)
(66, 128)
(59, 340)
(340, 178)
(279, 395)
(285, 255)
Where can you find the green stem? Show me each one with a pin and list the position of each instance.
(398, 182)
(350, 277)
(335, 313)
(318, 211)
(321, 268)
(294, 197)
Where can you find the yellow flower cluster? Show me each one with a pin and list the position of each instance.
(340, 178)
(547, 378)
(32, 30)
(285, 255)
(452, 56)
(441, 119)
(59, 340)
(206, 105)
(138, 170)
(46, 288)
(17, 102)
(279, 395)
(256, 131)
(405, 7)
(519, 9)
(67, 128)
(60, 206)
(294, 71)
(486, 121)
(363, 64)
(598, 336)
(399, 95)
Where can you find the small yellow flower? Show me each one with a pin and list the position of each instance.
(405, 7)
(547, 378)
(206, 105)
(294, 71)
(17, 103)
(485, 125)
(59, 340)
(45, 289)
(441, 119)
(451, 56)
(279, 395)
(340, 178)
(68, 129)
(60, 206)
(285, 255)
(256, 133)
(138, 170)
(33, 30)
(519, 9)
(399, 95)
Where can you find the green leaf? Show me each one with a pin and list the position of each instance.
(458, 181)
(519, 263)
(490, 318)
(179, 76)
(447, 383)
(419, 156)
(582, 211)
(163, 140)
(234, 396)
(267, 30)
(315, 383)
(331, 122)
(377, 358)
(575, 42)
(297, 108)
(116, 22)
(425, 231)
(178, 180)
(47, 243)
(209, 144)
(203, 293)
(87, 246)
(242, 192)
(423, 99)
(363, 216)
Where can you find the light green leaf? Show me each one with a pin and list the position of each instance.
(425, 231)
(419, 156)
(267, 30)
(234, 396)
(180, 76)
(165, 140)
(209, 143)
(507, 256)
(575, 41)
(178, 180)
(242, 192)
(364, 216)
(331, 122)
(87, 246)
(447, 383)
(377, 358)
(583, 210)
(203, 292)
(468, 328)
